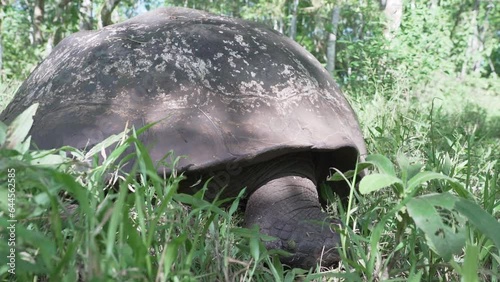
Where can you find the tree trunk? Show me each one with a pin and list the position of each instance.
(1, 46)
(59, 23)
(38, 21)
(318, 33)
(3, 4)
(393, 11)
(484, 32)
(474, 46)
(86, 15)
(235, 9)
(477, 45)
(332, 41)
(293, 23)
(481, 34)
(434, 4)
(281, 25)
(107, 9)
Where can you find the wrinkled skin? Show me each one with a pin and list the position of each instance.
(286, 206)
(244, 103)
(283, 202)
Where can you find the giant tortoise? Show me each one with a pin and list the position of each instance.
(245, 105)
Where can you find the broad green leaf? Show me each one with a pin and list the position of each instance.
(413, 170)
(423, 177)
(42, 199)
(443, 226)
(18, 130)
(482, 220)
(377, 181)
(255, 248)
(460, 190)
(415, 277)
(402, 161)
(24, 146)
(47, 158)
(471, 261)
(382, 163)
(446, 163)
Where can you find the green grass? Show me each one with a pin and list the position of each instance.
(432, 159)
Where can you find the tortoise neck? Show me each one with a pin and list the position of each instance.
(254, 176)
(228, 182)
(299, 164)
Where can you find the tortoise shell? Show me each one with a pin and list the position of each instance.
(224, 90)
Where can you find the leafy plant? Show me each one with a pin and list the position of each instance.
(445, 219)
